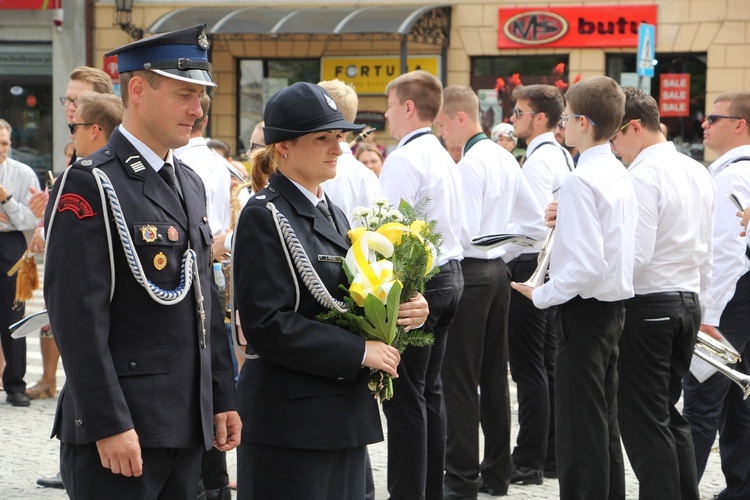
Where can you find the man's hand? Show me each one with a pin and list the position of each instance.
(712, 332)
(4, 218)
(3, 193)
(121, 454)
(217, 247)
(36, 245)
(38, 202)
(380, 356)
(745, 216)
(524, 290)
(550, 214)
(228, 430)
(413, 313)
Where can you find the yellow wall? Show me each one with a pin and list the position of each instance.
(721, 28)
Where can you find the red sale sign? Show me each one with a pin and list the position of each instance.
(674, 94)
(30, 4)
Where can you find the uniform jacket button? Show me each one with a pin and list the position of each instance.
(133, 365)
(79, 422)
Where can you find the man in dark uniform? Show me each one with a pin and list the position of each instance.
(147, 386)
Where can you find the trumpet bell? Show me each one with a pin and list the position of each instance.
(739, 378)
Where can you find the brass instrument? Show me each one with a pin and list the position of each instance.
(234, 202)
(540, 273)
(728, 354)
(361, 137)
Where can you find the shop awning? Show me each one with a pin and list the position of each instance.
(428, 21)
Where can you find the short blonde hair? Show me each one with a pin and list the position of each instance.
(461, 98)
(421, 88)
(344, 96)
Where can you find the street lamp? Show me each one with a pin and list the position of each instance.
(124, 10)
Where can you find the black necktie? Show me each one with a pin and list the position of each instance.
(323, 207)
(167, 173)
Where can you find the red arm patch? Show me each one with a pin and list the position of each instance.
(76, 204)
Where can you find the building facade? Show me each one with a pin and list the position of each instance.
(259, 47)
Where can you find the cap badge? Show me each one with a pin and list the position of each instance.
(330, 103)
(160, 261)
(148, 233)
(203, 40)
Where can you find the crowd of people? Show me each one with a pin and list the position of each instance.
(152, 224)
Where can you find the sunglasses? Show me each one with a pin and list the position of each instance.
(73, 126)
(711, 119)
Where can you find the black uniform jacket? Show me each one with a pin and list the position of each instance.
(307, 389)
(132, 362)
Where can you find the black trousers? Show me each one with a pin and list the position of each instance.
(477, 356)
(589, 457)
(528, 334)
(168, 473)
(717, 403)
(416, 413)
(655, 352)
(12, 247)
(269, 472)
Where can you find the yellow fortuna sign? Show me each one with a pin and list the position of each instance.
(370, 75)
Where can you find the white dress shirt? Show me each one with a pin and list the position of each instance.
(546, 166)
(17, 178)
(592, 255)
(730, 263)
(673, 238)
(214, 172)
(355, 185)
(422, 168)
(494, 195)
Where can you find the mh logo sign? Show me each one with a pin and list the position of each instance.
(535, 28)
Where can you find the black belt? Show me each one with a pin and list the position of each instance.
(683, 295)
(451, 266)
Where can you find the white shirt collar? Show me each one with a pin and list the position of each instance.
(151, 158)
(728, 157)
(662, 147)
(314, 199)
(408, 136)
(540, 139)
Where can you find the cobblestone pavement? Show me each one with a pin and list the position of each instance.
(26, 452)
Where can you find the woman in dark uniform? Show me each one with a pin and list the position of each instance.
(307, 410)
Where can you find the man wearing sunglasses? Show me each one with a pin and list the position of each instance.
(531, 340)
(672, 267)
(716, 404)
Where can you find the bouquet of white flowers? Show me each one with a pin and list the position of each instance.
(392, 256)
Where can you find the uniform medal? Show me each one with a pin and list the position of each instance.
(172, 234)
(148, 232)
(160, 261)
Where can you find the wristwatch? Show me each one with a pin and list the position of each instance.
(6, 200)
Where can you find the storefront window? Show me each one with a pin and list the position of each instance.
(494, 78)
(26, 103)
(685, 131)
(260, 79)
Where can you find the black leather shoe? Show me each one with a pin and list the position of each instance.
(223, 493)
(484, 488)
(51, 482)
(525, 475)
(18, 399)
(449, 494)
